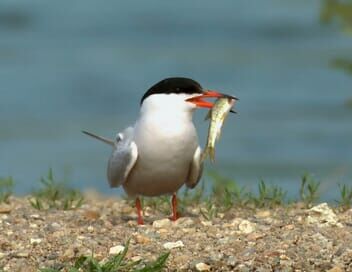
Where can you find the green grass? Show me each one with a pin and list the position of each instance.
(345, 201)
(309, 190)
(55, 194)
(268, 196)
(113, 264)
(6, 186)
(225, 193)
(222, 195)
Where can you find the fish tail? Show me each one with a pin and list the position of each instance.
(209, 151)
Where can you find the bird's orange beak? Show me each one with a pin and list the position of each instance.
(199, 102)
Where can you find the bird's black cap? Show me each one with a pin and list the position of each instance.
(174, 85)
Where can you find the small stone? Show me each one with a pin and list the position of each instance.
(161, 223)
(221, 215)
(2, 255)
(206, 223)
(35, 216)
(35, 241)
(185, 222)
(5, 208)
(231, 261)
(116, 250)
(93, 215)
(246, 227)
(234, 223)
(263, 214)
(136, 258)
(323, 215)
(171, 245)
(69, 254)
(22, 254)
(335, 269)
(33, 226)
(181, 259)
(90, 229)
(216, 256)
(289, 227)
(56, 225)
(141, 239)
(202, 267)
(255, 236)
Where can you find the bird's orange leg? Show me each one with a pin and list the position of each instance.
(139, 212)
(175, 214)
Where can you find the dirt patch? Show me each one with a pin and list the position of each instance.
(290, 238)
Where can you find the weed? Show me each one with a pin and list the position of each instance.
(210, 210)
(55, 195)
(6, 185)
(114, 264)
(308, 191)
(345, 196)
(226, 192)
(268, 196)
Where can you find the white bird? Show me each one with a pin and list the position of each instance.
(160, 152)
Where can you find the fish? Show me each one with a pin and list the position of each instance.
(217, 115)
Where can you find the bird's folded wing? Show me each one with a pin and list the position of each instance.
(196, 169)
(122, 160)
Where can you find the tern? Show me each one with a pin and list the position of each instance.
(160, 152)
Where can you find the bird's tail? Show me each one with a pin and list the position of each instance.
(100, 138)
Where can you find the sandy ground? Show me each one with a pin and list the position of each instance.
(290, 238)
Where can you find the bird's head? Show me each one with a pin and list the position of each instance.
(181, 93)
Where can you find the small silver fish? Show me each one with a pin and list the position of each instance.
(217, 116)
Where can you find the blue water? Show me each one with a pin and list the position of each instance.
(72, 65)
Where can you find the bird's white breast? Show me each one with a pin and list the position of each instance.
(166, 140)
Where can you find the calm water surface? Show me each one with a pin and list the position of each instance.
(67, 66)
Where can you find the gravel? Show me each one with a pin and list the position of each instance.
(288, 238)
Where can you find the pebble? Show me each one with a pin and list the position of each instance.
(335, 269)
(33, 226)
(171, 245)
(323, 215)
(56, 225)
(162, 223)
(116, 250)
(2, 255)
(136, 258)
(246, 227)
(35, 241)
(22, 254)
(263, 214)
(5, 208)
(184, 222)
(231, 261)
(141, 239)
(69, 253)
(90, 229)
(206, 223)
(202, 267)
(93, 215)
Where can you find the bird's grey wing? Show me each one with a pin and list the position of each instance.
(195, 170)
(122, 159)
